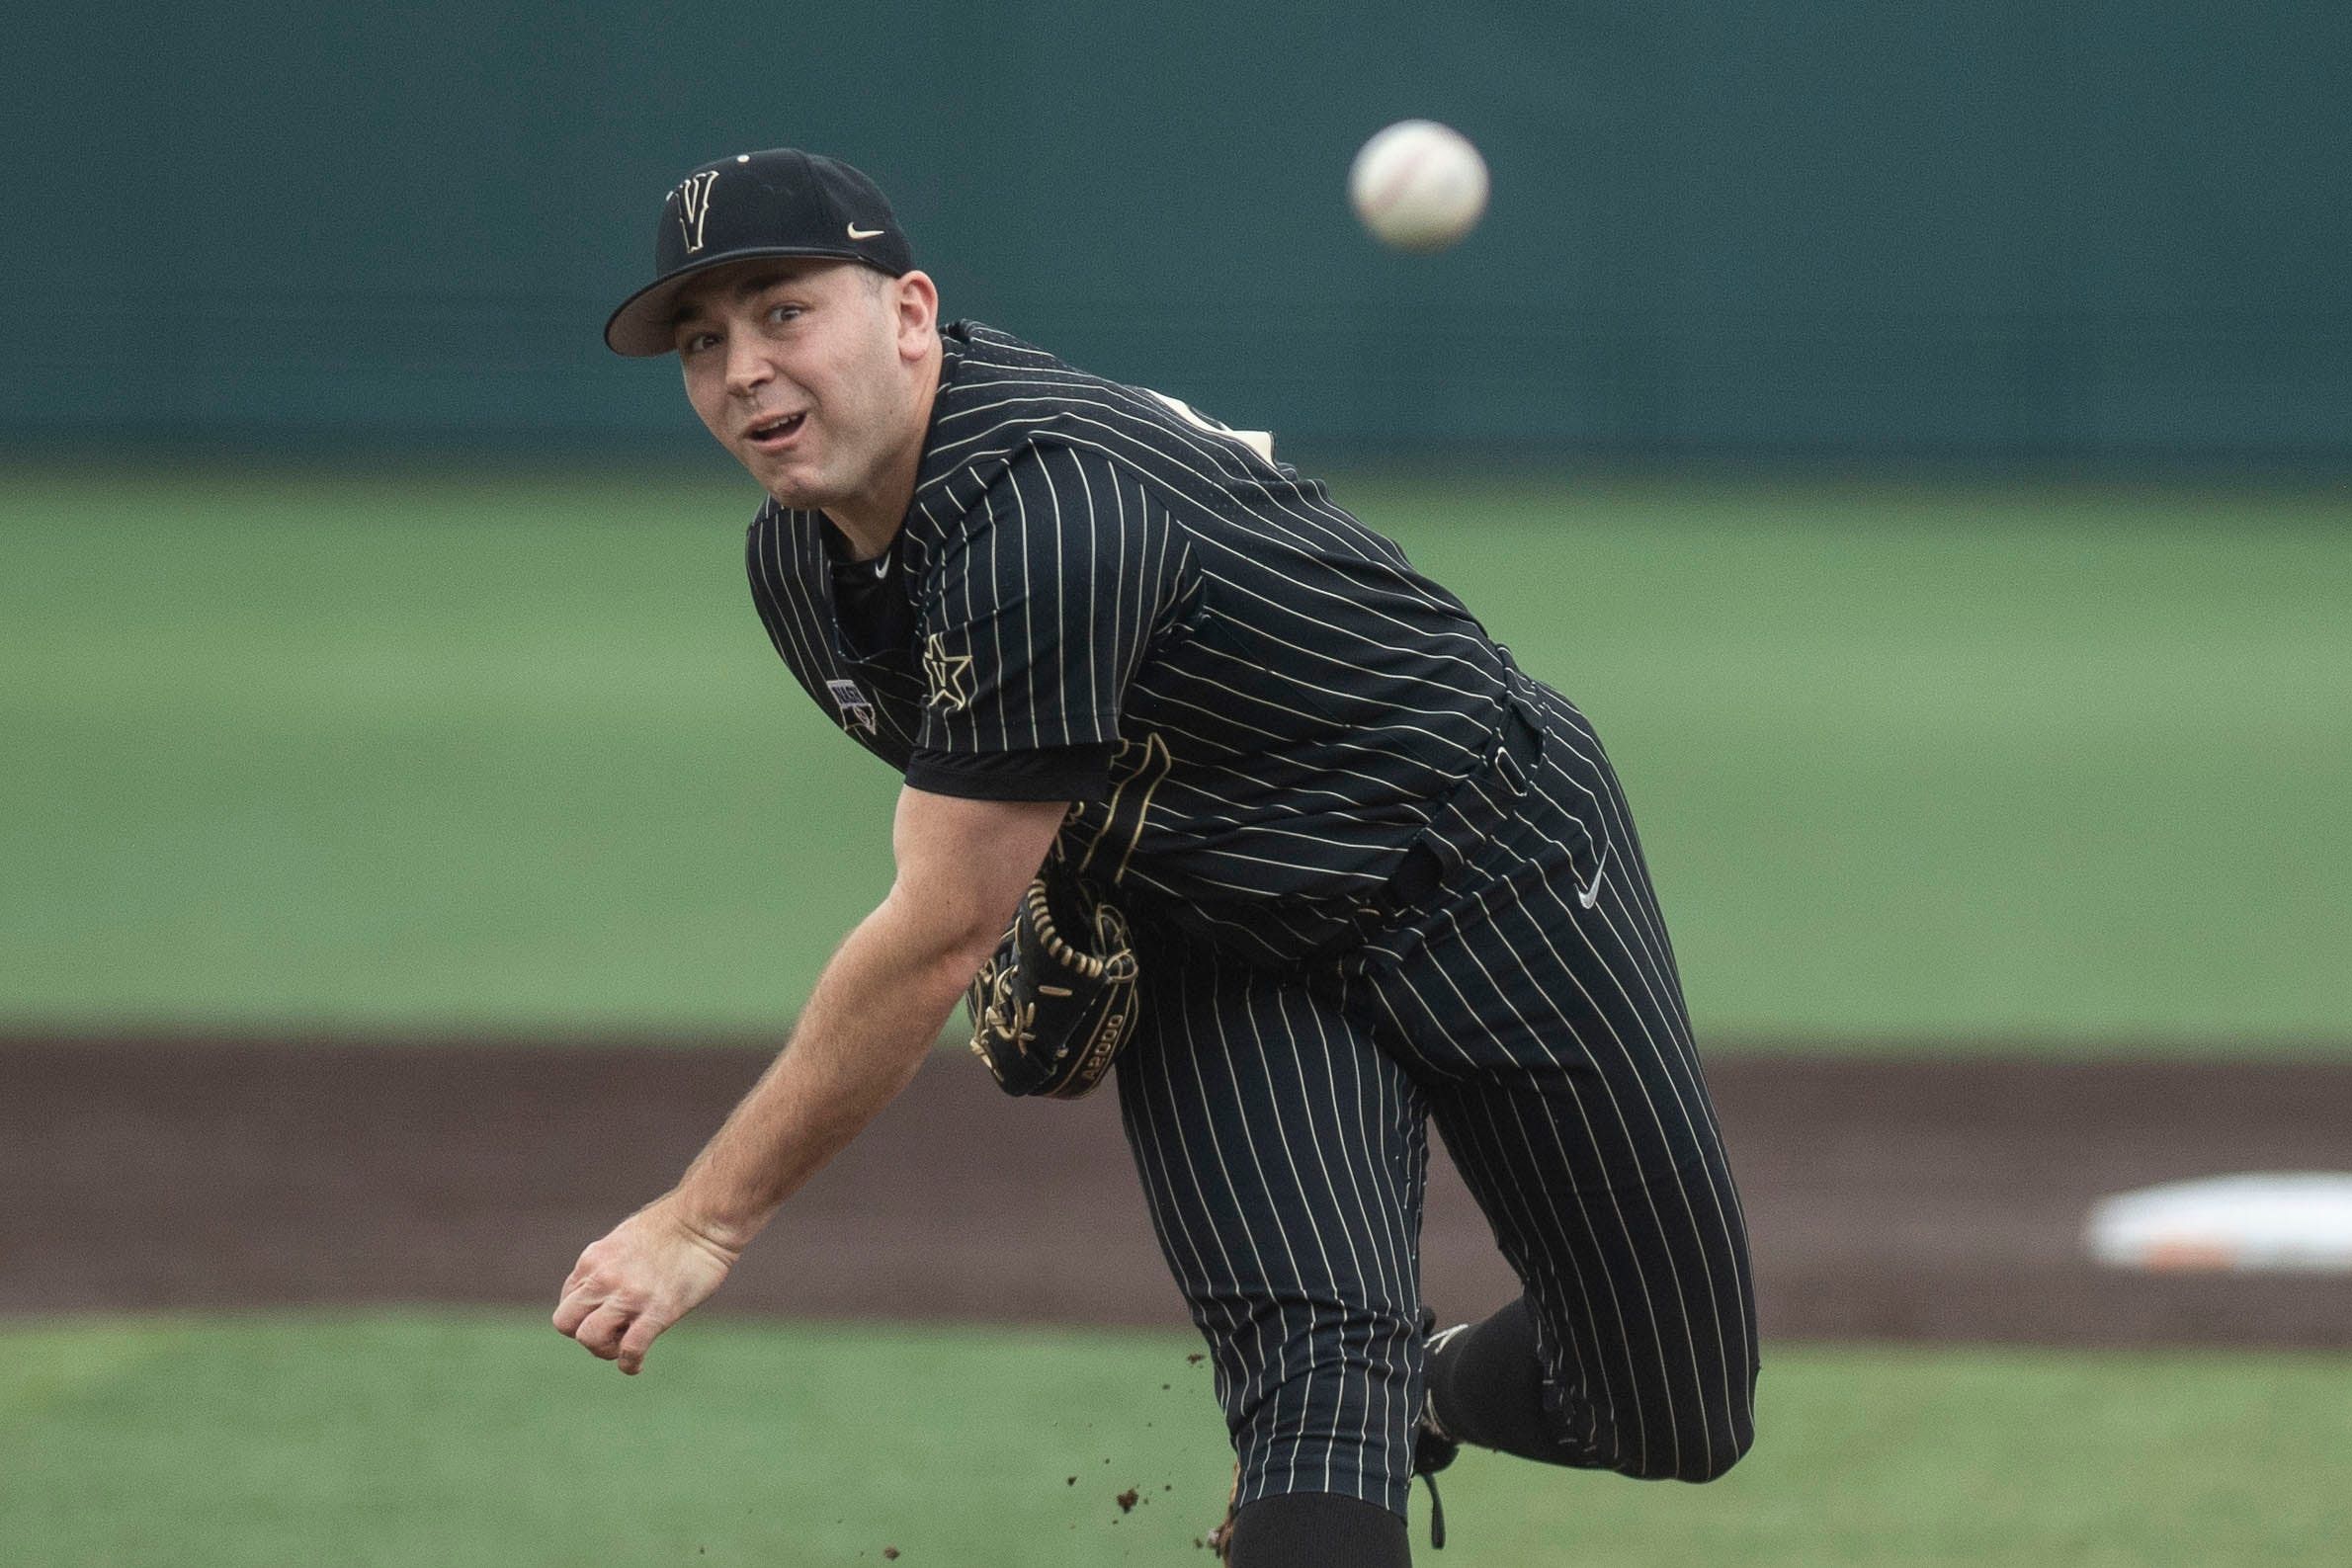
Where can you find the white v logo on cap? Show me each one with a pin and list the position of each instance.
(694, 207)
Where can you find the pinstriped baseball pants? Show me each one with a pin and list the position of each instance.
(1530, 1005)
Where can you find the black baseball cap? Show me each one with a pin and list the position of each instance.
(780, 203)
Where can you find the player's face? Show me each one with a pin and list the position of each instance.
(810, 373)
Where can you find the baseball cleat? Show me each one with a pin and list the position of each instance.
(1434, 1447)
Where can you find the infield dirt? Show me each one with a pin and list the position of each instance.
(1887, 1197)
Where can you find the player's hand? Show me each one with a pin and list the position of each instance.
(649, 1271)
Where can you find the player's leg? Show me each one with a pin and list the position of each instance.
(1283, 1158)
(1561, 1073)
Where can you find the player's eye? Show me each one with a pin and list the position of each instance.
(785, 310)
(695, 342)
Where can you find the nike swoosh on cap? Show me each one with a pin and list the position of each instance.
(856, 232)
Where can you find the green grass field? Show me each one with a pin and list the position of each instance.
(1962, 766)
(399, 1440)
(372, 753)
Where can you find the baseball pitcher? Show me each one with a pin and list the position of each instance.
(1208, 792)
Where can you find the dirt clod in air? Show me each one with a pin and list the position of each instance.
(891, 1552)
(1127, 1501)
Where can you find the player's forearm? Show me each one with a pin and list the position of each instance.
(873, 1016)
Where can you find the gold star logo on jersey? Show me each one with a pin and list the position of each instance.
(949, 676)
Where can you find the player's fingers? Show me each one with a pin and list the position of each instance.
(579, 1299)
(638, 1341)
(601, 1333)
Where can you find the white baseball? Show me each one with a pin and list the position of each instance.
(1418, 186)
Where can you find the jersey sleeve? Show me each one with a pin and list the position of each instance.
(1046, 603)
(1056, 772)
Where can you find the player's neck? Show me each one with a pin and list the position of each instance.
(869, 522)
(869, 530)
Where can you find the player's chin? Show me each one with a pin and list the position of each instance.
(787, 477)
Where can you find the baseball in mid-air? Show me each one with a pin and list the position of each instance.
(1418, 186)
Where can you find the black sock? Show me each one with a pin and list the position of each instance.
(1319, 1529)
(1487, 1386)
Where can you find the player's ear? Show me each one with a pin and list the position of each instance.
(915, 298)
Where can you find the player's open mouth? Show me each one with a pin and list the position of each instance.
(776, 431)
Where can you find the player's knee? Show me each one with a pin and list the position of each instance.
(1717, 1456)
(1705, 1448)
(1697, 1457)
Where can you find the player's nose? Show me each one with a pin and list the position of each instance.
(747, 365)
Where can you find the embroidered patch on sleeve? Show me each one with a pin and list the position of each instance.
(856, 711)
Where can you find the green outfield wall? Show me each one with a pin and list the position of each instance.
(1824, 228)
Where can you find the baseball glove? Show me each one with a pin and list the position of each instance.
(1053, 1005)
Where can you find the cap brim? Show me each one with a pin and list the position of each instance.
(643, 328)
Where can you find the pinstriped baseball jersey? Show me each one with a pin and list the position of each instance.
(1379, 876)
(1271, 693)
